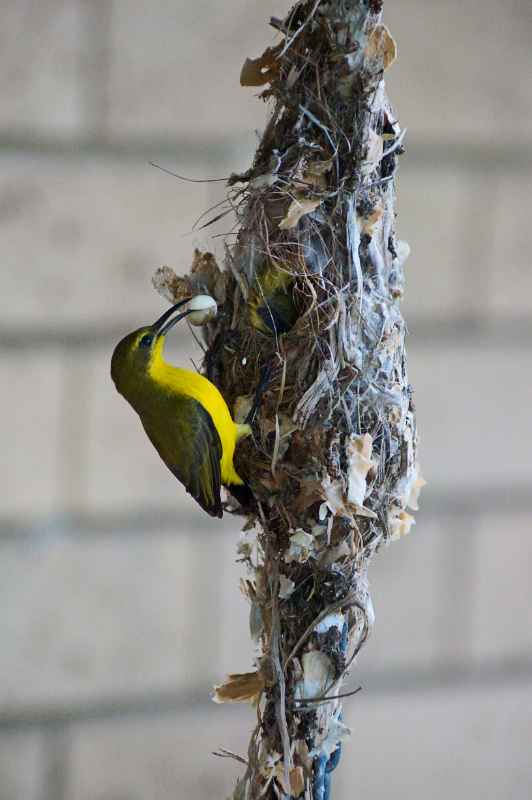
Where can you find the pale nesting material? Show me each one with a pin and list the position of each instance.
(333, 494)
(336, 732)
(399, 523)
(359, 449)
(417, 485)
(286, 587)
(409, 487)
(402, 249)
(263, 181)
(318, 675)
(301, 547)
(203, 308)
(336, 620)
(338, 503)
(370, 611)
(375, 150)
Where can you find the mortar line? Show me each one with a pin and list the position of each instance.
(504, 673)
(444, 504)
(56, 752)
(467, 329)
(501, 156)
(97, 30)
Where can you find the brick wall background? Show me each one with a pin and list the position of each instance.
(111, 632)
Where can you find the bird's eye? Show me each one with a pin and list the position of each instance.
(146, 340)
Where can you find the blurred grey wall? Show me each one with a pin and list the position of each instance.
(119, 603)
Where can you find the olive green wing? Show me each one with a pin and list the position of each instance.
(190, 447)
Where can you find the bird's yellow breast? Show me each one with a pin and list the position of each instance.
(185, 382)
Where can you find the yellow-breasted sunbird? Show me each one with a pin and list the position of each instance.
(183, 413)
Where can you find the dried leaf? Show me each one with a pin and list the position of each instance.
(171, 286)
(297, 781)
(314, 173)
(381, 44)
(261, 70)
(311, 492)
(318, 167)
(207, 276)
(301, 748)
(297, 209)
(239, 688)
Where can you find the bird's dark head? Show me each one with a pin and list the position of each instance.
(133, 355)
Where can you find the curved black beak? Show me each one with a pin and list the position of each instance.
(159, 326)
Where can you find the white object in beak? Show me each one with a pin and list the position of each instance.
(203, 308)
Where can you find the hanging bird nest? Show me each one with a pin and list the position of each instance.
(311, 293)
